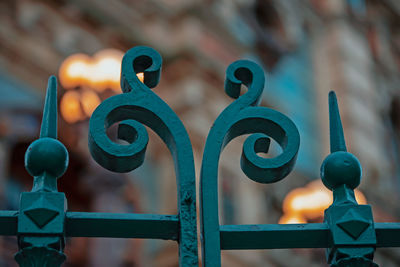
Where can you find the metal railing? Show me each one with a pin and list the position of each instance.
(42, 223)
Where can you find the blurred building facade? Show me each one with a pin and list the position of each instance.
(306, 47)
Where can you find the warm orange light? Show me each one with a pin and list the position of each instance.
(106, 70)
(76, 106)
(292, 218)
(73, 71)
(89, 101)
(70, 107)
(360, 197)
(309, 202)
(99, 72)
(93, 74)
(140, 75)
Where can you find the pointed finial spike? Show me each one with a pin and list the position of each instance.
(336, 129)
(49, 120)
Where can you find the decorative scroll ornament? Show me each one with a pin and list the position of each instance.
(139, 105)
(40, 257)
(41, 224)
(240, 118)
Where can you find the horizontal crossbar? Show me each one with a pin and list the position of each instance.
(264, 236)
(271, 236)
(280, 236)
(129, 225)
(95, 224)
(8, 222)
(387, 234)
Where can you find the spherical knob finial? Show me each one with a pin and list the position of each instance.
(46, 155)
(341, 168)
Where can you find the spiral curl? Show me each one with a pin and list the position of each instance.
(239, 118)
(244, 117)
(136, 107)
(121, 108)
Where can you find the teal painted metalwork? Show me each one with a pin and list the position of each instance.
(139, 105)
(351, 225)
(40, 227)
(239, 118)
(42, 223)
(349, 232)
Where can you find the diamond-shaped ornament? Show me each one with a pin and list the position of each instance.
(353, 224)
(41, 216)
(41, 211)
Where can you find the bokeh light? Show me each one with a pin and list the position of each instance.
(308, 203)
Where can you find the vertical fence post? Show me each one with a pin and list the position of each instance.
(351, 225)
(40, 227)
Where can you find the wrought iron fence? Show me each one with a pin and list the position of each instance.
(43, 221)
